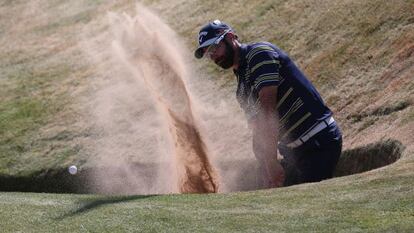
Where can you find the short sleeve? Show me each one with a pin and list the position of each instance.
(264, 66)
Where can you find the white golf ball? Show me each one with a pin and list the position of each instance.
(73, 169)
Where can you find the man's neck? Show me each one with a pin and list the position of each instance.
(236, 57)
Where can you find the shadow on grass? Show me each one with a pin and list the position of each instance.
(60, 181)
(89, 205)
(48, 181)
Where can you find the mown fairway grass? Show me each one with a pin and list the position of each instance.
(342, 205)
(358, 53)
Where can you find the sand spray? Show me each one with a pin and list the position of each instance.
(155, 136)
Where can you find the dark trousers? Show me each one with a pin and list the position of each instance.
(315, 160)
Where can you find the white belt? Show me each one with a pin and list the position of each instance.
(316, 129)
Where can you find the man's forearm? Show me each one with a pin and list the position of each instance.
(265, 136)
(265, 149)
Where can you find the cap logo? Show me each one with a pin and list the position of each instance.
(201, 35)
(217, 22)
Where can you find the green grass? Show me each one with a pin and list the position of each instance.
(17, 118)
(38, 74)
(27, 106)
(334, 206)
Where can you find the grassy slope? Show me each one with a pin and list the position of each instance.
(359, 54)
(38, 82)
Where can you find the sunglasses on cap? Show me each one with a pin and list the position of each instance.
(212, 49)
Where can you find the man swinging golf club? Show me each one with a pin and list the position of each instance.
(282, 107)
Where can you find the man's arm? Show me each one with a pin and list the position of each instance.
(265, 137)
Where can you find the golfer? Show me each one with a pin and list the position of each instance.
(282, 107)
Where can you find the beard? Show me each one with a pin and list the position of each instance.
(228, 59)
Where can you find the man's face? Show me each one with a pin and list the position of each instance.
(222, 54)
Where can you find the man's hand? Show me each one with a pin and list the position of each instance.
(265, 137)
(272, 173)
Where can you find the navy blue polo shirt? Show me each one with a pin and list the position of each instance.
(299, 105)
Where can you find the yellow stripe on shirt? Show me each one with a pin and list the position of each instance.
(284, 97)
(264, 63)
(258, 50)
(300, 121)
(265, 78)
